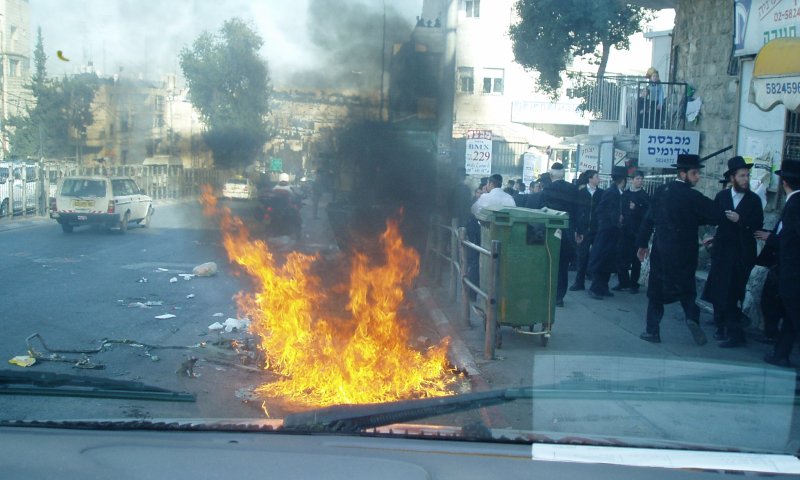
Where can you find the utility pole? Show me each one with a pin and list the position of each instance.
(383, 58)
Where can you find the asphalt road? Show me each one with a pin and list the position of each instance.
(75, 290)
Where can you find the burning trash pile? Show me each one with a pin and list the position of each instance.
(359, 355)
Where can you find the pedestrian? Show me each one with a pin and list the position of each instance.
(785, 240)
(635, 202)
(494, 198)
(460, 199)
(586, 224)
(676, 212)
(534, 197)
(519, 193)
(510, 187)
(733, 253)
(603, 256)
(562, 195)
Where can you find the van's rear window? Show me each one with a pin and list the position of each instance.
(78, 187)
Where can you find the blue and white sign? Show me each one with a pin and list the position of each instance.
(756, 22)
(660, 148)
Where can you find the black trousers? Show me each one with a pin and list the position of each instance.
(629, 268)
(655, 312)
(789, 329)
(728, 315)
(582, 261)
(771, 306)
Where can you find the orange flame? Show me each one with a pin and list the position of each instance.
(324, 360)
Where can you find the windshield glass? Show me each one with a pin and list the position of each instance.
(431, 210)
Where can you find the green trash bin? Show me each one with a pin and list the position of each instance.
(530, 243)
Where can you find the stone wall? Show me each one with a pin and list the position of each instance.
(702, 42)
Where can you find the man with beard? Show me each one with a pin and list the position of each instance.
(562, 195)
(603, 256)
(675, 214)
(733, 254)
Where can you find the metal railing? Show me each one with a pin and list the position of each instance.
(459, 283)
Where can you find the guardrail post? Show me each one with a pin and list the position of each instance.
(491, 304)
(439, 252)
(453, 259)
(465, 291)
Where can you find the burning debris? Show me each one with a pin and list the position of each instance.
(361, 356)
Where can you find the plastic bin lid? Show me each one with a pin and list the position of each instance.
(518, 214)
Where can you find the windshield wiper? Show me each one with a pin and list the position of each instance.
(59, 384)
(355, 418)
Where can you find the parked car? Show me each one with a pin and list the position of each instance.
(239, 188)
(22, 176)
(95, 200)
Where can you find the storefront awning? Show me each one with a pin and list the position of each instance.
(776, 75)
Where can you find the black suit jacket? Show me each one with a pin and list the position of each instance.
(733, 254)
(787, 243)
(586, 222)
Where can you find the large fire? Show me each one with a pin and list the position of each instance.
(361, 356)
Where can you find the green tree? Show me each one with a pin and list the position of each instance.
(229, 85)
(551, 32)
(55, 124)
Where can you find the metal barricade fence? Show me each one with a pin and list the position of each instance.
(460, 284)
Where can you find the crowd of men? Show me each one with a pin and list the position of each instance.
(612, 231)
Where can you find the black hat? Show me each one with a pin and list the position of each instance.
(789, 169)
(619, 171)
(736, 163)
(687, 161)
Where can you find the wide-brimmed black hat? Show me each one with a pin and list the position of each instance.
(789, 169)
(688, 161)
(619, 171)
(736, 163)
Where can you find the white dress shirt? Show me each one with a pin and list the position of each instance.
(496, 198)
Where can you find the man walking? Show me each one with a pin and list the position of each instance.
(733, 254)
(586, 225)
(786, 240)
(675, 214)
(635, 203)
(562, 195)
(603, 257)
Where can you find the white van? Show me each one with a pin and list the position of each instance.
(96, 200)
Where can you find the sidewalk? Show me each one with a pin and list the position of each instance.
(584, 326)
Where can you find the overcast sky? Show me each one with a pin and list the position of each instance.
(145, 36)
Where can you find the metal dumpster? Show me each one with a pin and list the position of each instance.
(528, 268)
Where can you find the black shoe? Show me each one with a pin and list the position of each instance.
(697, 332)
(719, 334)
(766, 339)
(777, 361)
(651, 337)
(733, 343)
(619, 288)
(634, 289)
(576, 288)
(559, 303)
(594, 294)
(607, 294)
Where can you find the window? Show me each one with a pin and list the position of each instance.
(466, 80)
(13, 68)
(473, 8)
(493, 81)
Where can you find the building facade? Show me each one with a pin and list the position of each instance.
(15, 58)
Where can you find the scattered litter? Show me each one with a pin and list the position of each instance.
(246, 394)
(173, 280)
(162, 269)
(154, 303)
(22, 361)
(166, 316)
(423, 340)
(137, 305)
(154, 358)
(186, 276)
(141, 280)
(216, 326)
(187, 367)
(191, 295)
(237, 324)
(207, 269)
(218, 314)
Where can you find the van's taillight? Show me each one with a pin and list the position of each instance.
(53, 205)
(111, 206)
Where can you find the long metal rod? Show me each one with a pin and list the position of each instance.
(491, 307)
(462, 249)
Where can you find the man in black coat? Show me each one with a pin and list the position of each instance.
(586, 224)
(733, 254)
(675, 214)
(635, 203)
(562, 195)
(786, 240)
(603, 256)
